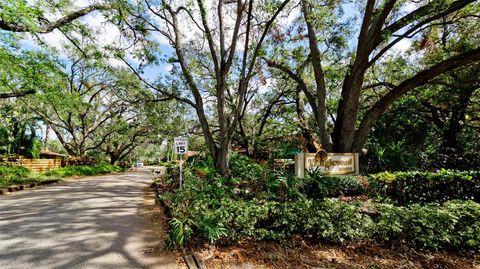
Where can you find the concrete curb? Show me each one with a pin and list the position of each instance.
(16, 188)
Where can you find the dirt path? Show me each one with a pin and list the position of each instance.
(94, 222)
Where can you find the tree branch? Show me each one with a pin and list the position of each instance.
(14, 27)
(16, 94)
(417, 80)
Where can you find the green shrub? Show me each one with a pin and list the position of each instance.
(328, 220)
(214, 213)
(277, 206)
(389, 224)
(424, 187)
(241, 166)
(69, 171)
(18, 175)
(179, 232)
(207, 209)
(319, 186)
(345, 222)
(456, 224)
(431, 226)
(14, 175)
(467, 229)
(453, 225)
(14, 171)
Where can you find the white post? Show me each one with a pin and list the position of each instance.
(181, 159)
(356, 158)
(300, 165)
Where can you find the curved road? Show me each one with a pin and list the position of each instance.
(94, 222)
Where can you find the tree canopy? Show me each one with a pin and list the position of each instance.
(245, 75)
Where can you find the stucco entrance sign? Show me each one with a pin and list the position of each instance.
(333, 164)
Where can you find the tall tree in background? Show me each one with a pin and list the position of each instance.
(82, 107)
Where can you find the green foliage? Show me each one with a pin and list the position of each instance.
(18, 175)
(14, 175)
(453, 225)
(327, 220)
(211, 229)
(390, 222)
(34, 150)
(179, 233)
(69, 171)
(241, 166)
(346, 222)
(279, 206)
(319, 186)
(422, 187)
(431, 225)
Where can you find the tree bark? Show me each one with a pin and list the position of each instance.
(16, 94)
(47, 134)
(113, 158)
(322, 118)
(455, 125)
(308, 141)
(373, 33)
(222, 161)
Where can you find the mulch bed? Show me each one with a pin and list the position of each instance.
(297, 253)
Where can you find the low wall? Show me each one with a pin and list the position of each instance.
(41, 165)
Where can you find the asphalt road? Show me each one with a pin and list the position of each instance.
(94, 222)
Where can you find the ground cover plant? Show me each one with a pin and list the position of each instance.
(266, 205)
(18, 175)
(423, 187)
(83, 170)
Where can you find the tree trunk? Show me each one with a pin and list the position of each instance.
(322, 115)
(47, 134)
(347, 111)
(455, 125)
(113, 158)
(308, 141)
(244, 141)
(221, 161)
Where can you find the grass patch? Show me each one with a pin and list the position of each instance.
(15, 175)
(18, 175)
(83, 170)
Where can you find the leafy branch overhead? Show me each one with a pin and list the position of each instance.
(35, 22)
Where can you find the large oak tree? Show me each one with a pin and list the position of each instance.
(383, 25)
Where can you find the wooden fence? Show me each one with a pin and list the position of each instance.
(41, 165)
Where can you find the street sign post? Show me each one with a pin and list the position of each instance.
(180, 146)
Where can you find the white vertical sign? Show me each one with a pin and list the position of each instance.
(180, 145)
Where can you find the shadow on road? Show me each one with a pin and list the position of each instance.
(91, 223)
